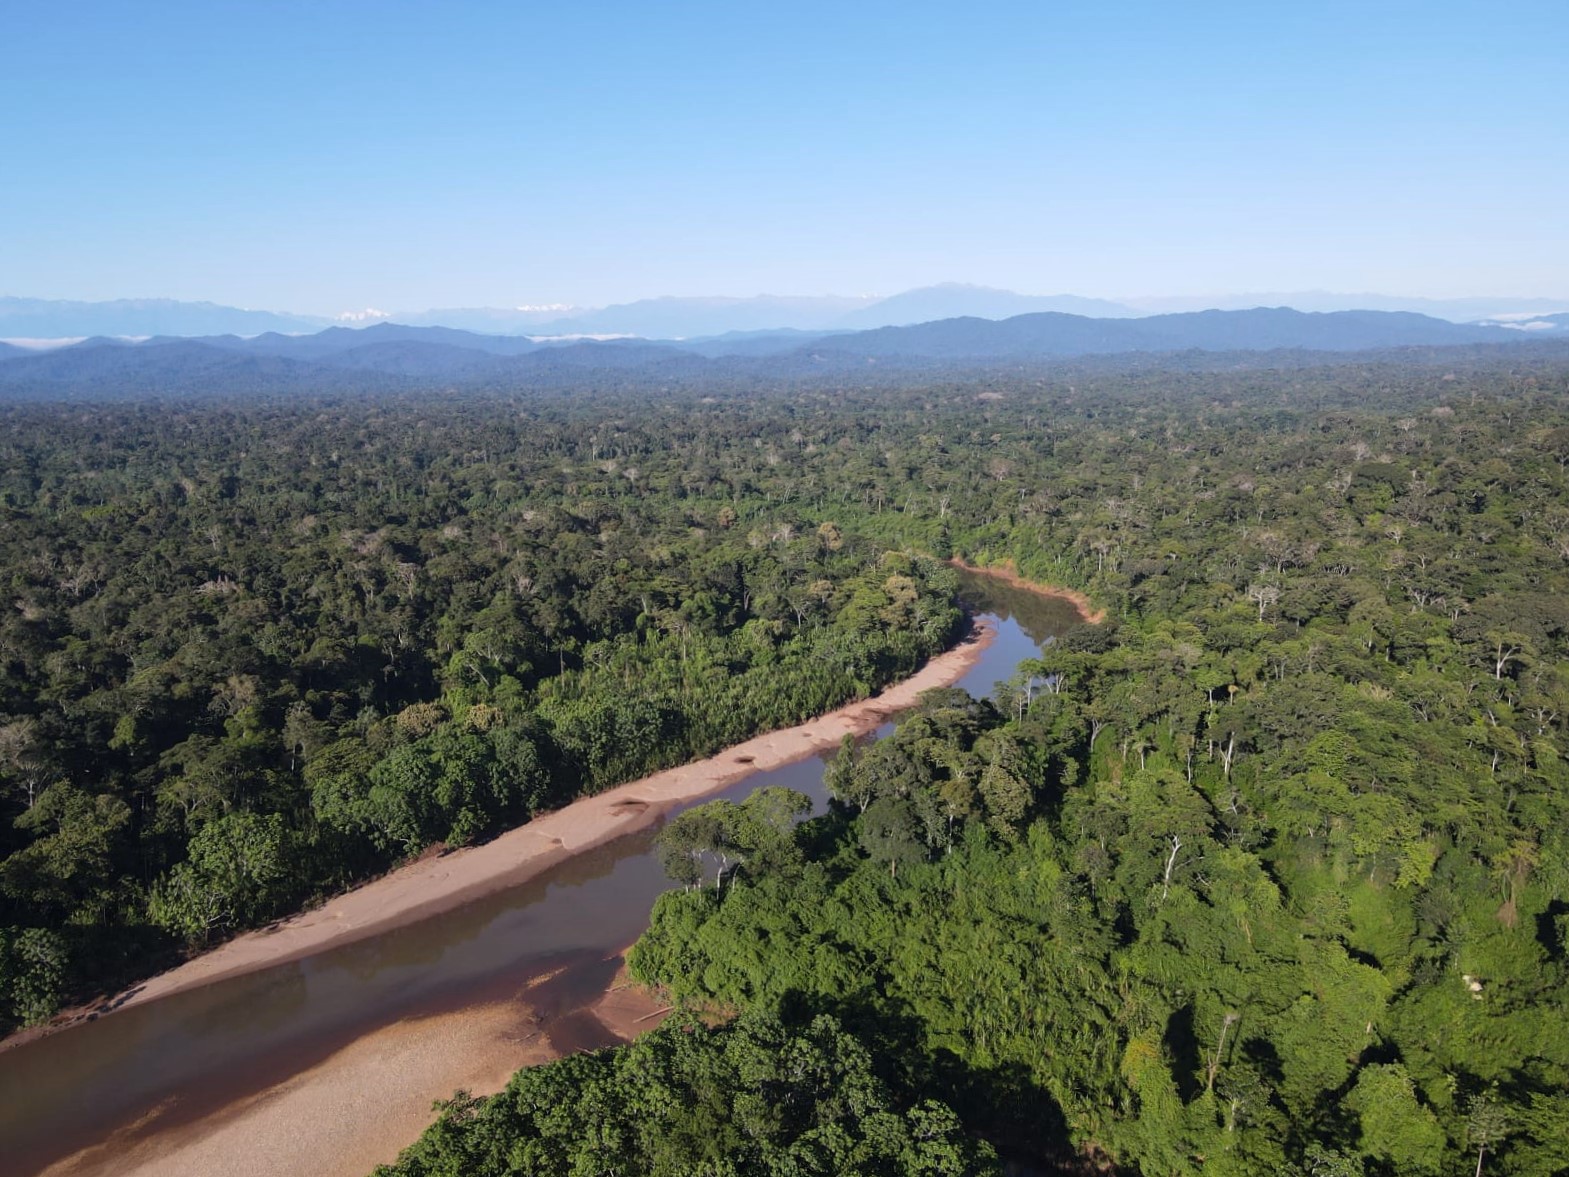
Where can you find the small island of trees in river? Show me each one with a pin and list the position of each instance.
(1267, 873)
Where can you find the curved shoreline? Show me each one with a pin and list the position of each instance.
(432, 885)
(1008, 572)
(306, 1111)
(359, 1105)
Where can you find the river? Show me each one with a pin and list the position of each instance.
(110, 1095)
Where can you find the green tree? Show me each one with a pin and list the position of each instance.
(1396, 1127)
(33, 967)
(237, 873)
(889, 833)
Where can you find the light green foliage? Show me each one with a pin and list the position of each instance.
(1396, 1127)
(237, 873)
(753, 838)
(32, 974)
(1279, 892)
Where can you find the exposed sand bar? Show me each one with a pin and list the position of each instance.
(341, 1106)
(432, 885)
(360, 1106)
(340, 1114)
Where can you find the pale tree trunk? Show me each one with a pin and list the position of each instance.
(1171, 862)
(1214, 1063)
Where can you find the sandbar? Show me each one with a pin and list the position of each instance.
(439, 883)
(356, 1107)
(359, 1107)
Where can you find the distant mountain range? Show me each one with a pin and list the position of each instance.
(1261, 329)
(953, 300)
(705, 318)
(652, 318)
(1546, 325)
(1456, 310)
(684, 318)
(392, 357)
(36, 318)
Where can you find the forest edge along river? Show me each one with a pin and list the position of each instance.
(325, 1059)
(317, 1046)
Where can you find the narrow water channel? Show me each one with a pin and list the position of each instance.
(173, 1061)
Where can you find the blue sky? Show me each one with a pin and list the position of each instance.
(330, 156)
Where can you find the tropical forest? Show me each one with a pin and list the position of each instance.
(1262, 867)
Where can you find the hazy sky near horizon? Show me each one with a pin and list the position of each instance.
(332, 156)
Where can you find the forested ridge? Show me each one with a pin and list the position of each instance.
(1267, 874)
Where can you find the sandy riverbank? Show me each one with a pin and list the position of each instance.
(437, 884)
(360, 1106)
(343, 1109)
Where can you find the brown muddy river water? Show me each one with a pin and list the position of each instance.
(165, 1068)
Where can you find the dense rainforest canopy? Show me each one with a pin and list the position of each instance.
(752, 1096)
(1268, 873)
(257, 653)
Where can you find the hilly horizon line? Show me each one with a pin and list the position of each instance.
(378, 327)
(391, 358)
(705, 316)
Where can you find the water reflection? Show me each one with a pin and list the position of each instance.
(1040, 617)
